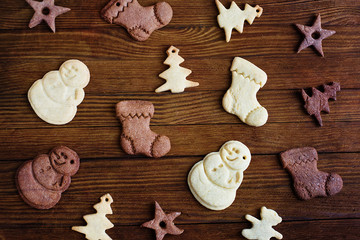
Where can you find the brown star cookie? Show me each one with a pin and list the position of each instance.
(163, 223)
(47, 11)
(314, 35)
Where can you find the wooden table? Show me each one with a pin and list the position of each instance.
(195, 121)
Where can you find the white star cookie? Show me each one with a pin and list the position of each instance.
(176, 75)
(56, 96)
(240, 98)
(214, 180)
(234, 17)
(262, 229)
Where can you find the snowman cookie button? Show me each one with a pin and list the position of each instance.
(56, 96)
(214, 180)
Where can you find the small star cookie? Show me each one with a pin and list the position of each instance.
(314, 35)
(163, 223)
(47, 11)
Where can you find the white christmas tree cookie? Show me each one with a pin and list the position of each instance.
(176, 75)
(234, 17)
(214, 180)
(97, 223)
(240, 98)
(55, 97)
(262, 229)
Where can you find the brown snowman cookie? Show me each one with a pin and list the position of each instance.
(309, 182)
(41, 181)
(137, 137)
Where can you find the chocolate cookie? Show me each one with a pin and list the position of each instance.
(41, 181)
(309, 182)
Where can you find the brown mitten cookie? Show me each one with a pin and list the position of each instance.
(136, 137)
(309, 182)
(139, 21)
(41, 181)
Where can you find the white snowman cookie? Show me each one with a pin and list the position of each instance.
(55, 97)
(214, 180)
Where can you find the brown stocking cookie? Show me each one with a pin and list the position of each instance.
(309, 182)
(139, 21)
(41, 181)
(136, 137)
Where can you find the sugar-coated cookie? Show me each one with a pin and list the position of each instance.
(139, 21)
(41, 181)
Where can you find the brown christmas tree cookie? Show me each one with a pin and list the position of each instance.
(41, 181)
(318, 102)
(136, 137)
(309, 182)
(139, 21)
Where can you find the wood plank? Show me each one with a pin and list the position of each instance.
(111, 44)
(322, 230)
(115, 77)
(193, 107)
(16, 15)
(135, 183)
(186, 140)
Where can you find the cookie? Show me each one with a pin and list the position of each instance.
(318, 102)
(262, 229)
(234, 17)
(214, 180)
(41, 181)
(139, 21)
(136, 137)
(240, 98)
(163, 223)
(175, 76)
(55, 97)
(97, 223)
(309, 182)
(45, 11)
(313, 35)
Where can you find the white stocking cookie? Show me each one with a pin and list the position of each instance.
(234, 17)
(55, 97)
(214, 180)
(176, 75)
(240, 98)
(262, 229)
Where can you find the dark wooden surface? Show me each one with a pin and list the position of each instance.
(194, 120)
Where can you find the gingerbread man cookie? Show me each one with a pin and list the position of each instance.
(214, 180)
(41, 181)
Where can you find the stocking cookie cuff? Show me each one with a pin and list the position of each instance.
(138, 108)
(295, 157)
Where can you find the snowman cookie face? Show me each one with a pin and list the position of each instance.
(64, 160)
(75, 74)
(235, 155)
(47, 176)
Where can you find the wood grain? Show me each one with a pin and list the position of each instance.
(195, 121)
